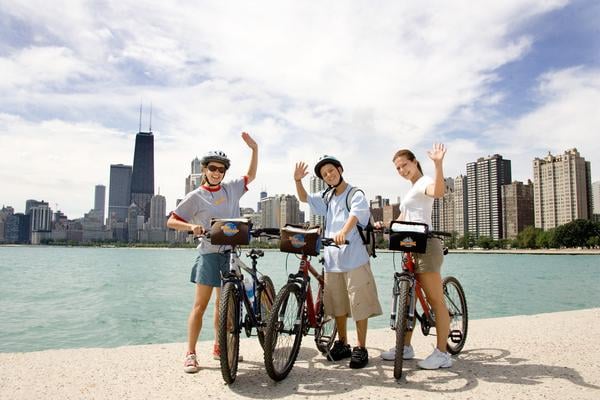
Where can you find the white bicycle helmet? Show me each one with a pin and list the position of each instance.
(216, 156)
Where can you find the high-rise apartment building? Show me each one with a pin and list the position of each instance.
(485, 178)
(442, 217)
(142, 175)
(276, 211)
(119, 192)
(99, 200)
(596, 200)
(562, 189)
(517, 208)
(316, 185)
(270, 212)
(460, 205)
(290, 210)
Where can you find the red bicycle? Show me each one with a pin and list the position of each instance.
(293, 314)
(411, 237)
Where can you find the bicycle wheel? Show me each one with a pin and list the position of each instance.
(454, 295)
(326, 328)
(229, 332)
(266, 296)
(283, 335)
(402, 304)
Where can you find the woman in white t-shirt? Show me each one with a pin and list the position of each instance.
(417, 207)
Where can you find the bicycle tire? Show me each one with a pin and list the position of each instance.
(402, 304)
(283, 335)
(229, 331)
(456, 302)
(266, 296)
(326, 329)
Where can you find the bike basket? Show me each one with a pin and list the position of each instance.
(300, 241)
(408, 236)
(234, 231)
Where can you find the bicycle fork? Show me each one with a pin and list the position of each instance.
(395, 293)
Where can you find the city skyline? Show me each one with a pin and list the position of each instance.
(518, 79)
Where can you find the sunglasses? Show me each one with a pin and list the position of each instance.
(213, 168)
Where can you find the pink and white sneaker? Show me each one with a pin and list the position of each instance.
(190, 365)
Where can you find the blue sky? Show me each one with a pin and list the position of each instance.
(356, 79)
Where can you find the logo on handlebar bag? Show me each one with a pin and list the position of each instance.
(229, 229)
(297, 240)
(408, 242)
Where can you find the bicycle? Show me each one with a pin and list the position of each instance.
(412, 238)
(234, 296)
(293, 314)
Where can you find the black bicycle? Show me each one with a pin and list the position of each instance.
(234, 300)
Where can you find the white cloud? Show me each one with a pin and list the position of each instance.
(355, 79)
(566, 116)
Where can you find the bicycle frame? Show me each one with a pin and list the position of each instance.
(416, 294)
(253, 311)
(302, 278)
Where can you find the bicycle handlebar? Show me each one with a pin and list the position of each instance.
(267, 232)
(331, 242)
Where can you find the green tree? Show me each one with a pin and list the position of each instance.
(485, 242)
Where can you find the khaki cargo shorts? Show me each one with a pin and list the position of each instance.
(352, 294)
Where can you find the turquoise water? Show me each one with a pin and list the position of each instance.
(56, 297)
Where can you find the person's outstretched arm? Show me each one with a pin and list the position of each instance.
(254, 158)
(438, 187)
(299, 173)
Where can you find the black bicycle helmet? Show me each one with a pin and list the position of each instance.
(325, 159)
(216, 156)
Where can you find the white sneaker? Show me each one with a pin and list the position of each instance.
(436, 360)
(408, 353)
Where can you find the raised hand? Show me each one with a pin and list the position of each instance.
(437, 153)
(249, 141)
(300, 171)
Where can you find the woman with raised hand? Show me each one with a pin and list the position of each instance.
(212, 199)
(417, 206)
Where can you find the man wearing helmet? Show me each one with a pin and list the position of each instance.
(213, 199)
(350, 289)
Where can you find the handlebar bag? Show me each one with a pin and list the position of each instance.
(300, 241)
(408, 236)
(232, 231)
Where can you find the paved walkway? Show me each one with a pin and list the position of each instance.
(546, 356)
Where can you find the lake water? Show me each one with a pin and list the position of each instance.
(58, 297)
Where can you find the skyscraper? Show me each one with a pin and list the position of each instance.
(99, 200)
(194, 179)
(316, 185)
(484, 196)
(158, 212)
(119, 192)
(442, 216)
(517, 208)
(562, 189)
(263, 194)
(596, 200)
(142, 176)
(460, 205)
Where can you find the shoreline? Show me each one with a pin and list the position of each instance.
(569, 251)
(505, 357)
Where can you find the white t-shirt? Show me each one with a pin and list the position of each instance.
(416, 205)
